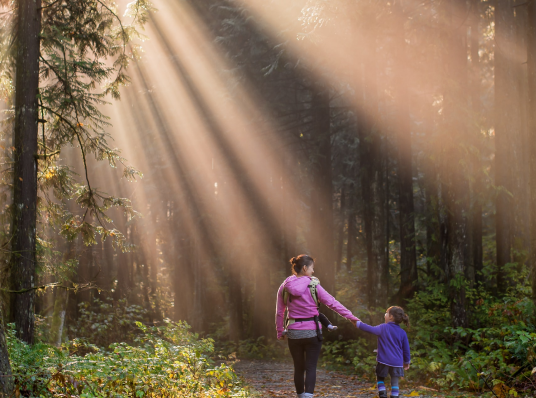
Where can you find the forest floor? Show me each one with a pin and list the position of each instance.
(272, 379)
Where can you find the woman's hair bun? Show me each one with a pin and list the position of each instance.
(299, 262)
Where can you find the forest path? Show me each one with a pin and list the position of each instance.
(271, 379)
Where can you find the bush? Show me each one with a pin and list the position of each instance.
(106, 322)
(166, 361)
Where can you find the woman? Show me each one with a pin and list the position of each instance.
(304, 331)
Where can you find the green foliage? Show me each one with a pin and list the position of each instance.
(86, 48)
(259, 348)
(104, 323)
(167, 361)
(499, 347)
(355, 353)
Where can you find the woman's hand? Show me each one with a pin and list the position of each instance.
(282, 338)
(406, 366)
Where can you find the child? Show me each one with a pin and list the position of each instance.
(393, 349)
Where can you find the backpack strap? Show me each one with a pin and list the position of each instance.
(286, 299)
(312, 288)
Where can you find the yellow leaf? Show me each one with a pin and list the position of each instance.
(501, 390)
(413, 394)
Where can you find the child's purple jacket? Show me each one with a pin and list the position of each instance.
(302, 305)
(393, 344)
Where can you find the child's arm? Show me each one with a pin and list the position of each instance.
(377, 330)
(405, 351)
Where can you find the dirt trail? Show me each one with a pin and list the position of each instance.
(271, 379)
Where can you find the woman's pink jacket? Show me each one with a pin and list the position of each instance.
(302, 305)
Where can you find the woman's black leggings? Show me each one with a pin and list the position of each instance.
(305, 353)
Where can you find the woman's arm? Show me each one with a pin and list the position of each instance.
(329, 301)
(377, 330)
(279, 313)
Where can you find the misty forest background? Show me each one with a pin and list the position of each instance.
(394, 141)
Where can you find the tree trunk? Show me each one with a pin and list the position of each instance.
(58, 317)
(505, 112)
(372, 220)
(455, 192)
(25, 168)
(236, 327)
(408, 256)
(531, 123)
(351, 235)
(340, 232)
(520, 139)
(152, 263)
(322, 242)
(433, 232)
(386, 279)
(478, 185)
(6, 381)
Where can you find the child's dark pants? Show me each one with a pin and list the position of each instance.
(305, 353)
(381, 373)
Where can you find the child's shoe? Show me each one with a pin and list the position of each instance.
(307, 395)
(382, 394)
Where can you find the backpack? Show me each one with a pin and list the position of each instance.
(287, 298)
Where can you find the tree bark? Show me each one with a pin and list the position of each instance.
(455, 188)
(351, 235)
(6, 381)
(58, 317)
(24, 207)
(531, 123)
(322, 239)
(152, 262)
(504, 114)
(433, 231)
(478, 185)
(340, 232)
(408, 254)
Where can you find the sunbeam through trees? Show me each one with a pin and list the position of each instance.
(162, 161)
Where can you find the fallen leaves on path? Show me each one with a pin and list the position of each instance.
(275, 379)
(271, 379)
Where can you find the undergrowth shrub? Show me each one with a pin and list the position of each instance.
(260, 348)
(166, 361)
(497, 352)
(107, 322)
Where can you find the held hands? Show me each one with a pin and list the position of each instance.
(406, 366)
